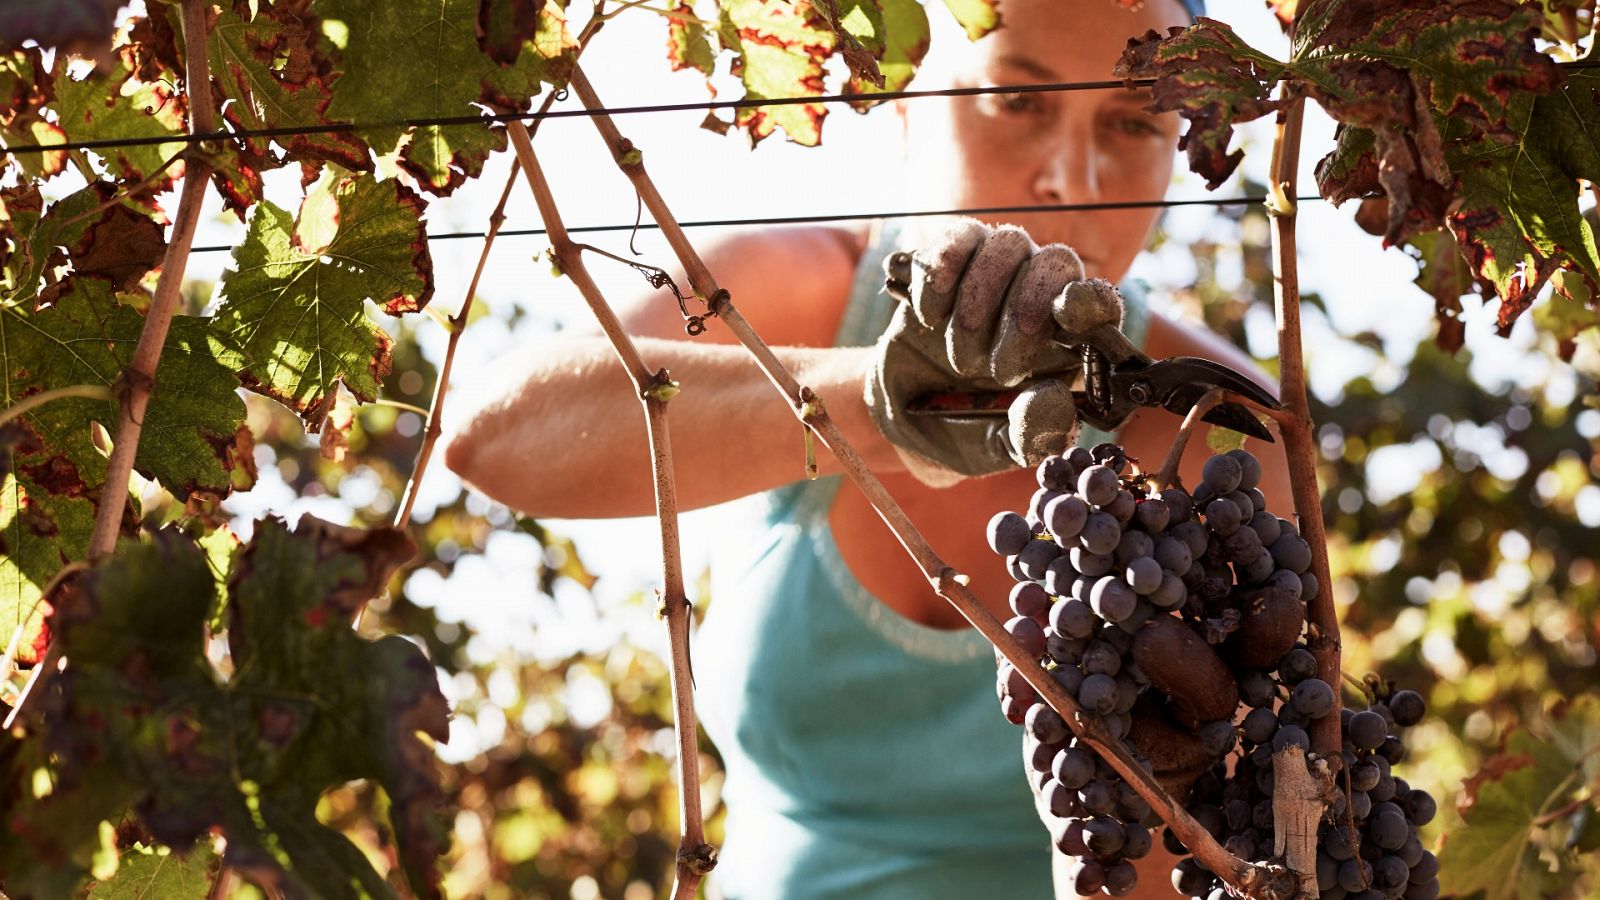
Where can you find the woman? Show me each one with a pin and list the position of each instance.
(866, 756)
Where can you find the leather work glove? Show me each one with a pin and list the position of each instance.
(985, 306)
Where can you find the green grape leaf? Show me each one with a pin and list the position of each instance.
(26, 87)
(145, 873)
(1517, 218)
(1504, 848)
(114, 105)
(906, 25)
(402, 62)
(1221, 440)
(780, 49)
(294, 297)
(194, 437)
(83, 26)
(978, 17)
(266, 76)
(688, 42)
(1443, 275)
(143, 722)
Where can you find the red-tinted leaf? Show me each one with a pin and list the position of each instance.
(1213, 80)
(505, 25)
(688, 44)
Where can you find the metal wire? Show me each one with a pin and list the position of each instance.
(851, 217)
(458, 121)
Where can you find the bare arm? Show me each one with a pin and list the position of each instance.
(562, 433)
(566, 436)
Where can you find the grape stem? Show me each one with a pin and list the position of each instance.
(1298, 433)
(458, 322)
(1210, 400)
(695, 856)
(1253, 880)
(138, 380)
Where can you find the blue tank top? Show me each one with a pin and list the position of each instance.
(866, 755)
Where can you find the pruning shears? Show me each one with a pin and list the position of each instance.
(1118, 379)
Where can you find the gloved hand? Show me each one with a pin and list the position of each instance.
(985, 304)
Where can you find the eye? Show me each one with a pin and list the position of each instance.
(1137, 126)
(1014, 104)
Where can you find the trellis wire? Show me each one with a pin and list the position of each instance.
(703, 106)
(525, 117)
(853, 217)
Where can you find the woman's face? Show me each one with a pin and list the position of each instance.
(1063, 147)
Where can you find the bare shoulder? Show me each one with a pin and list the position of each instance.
(791, 283)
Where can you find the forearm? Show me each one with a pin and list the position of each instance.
(563, 433)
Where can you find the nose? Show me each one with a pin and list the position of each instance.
(1068, 171)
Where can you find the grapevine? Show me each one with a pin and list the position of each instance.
(1173, 656)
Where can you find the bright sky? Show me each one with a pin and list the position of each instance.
(703, 175)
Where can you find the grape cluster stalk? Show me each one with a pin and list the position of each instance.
(1176, 619)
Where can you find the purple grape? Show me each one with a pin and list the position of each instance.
(1065, 650)
(1046, 725)
(1080, 457)
(1132, 545)
(1098, 694)
(1285, 580)
(1101, 658)
(1090, 877)
(1292, 552)
(1136, 841)
(1008, 533)
(1057, 474)
(1122, 507)
(1064, 517)
(1221, 474)
(1390, 872)
(1426, 869)
(1152, 515)
(1218, 737)
(1112, 600)
(1097, 797)
(1355, 875)
(1193, 534)
(1099, 485)
(1072, 767)
(1101, 533)
(1388, 828)
(1256, 688)
(1367, 730)
(1408, 708)
(1313, 697)
(1069, 840)
(1174, 555)
(1121, 877)
(1266, 527)
(1170, 594)
(1180, 506)
(1144, 575)
(1222, 516)
(1259, 569)
(1090, 565)
(1028, 633)
(1103, 835)
(1420, 807)
(1035, 559)
(1072, 618)
(1029, 599)
(1059, 576)
(1290, 736)
(1069, 677)
(1309, 586)
(1297, 665)
(1259, 725)
(1249, 468)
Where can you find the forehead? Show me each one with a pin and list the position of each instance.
(1071, 40)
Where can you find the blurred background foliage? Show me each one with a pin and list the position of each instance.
(1464, 516)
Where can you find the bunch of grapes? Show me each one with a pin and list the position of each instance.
(1165, 614)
